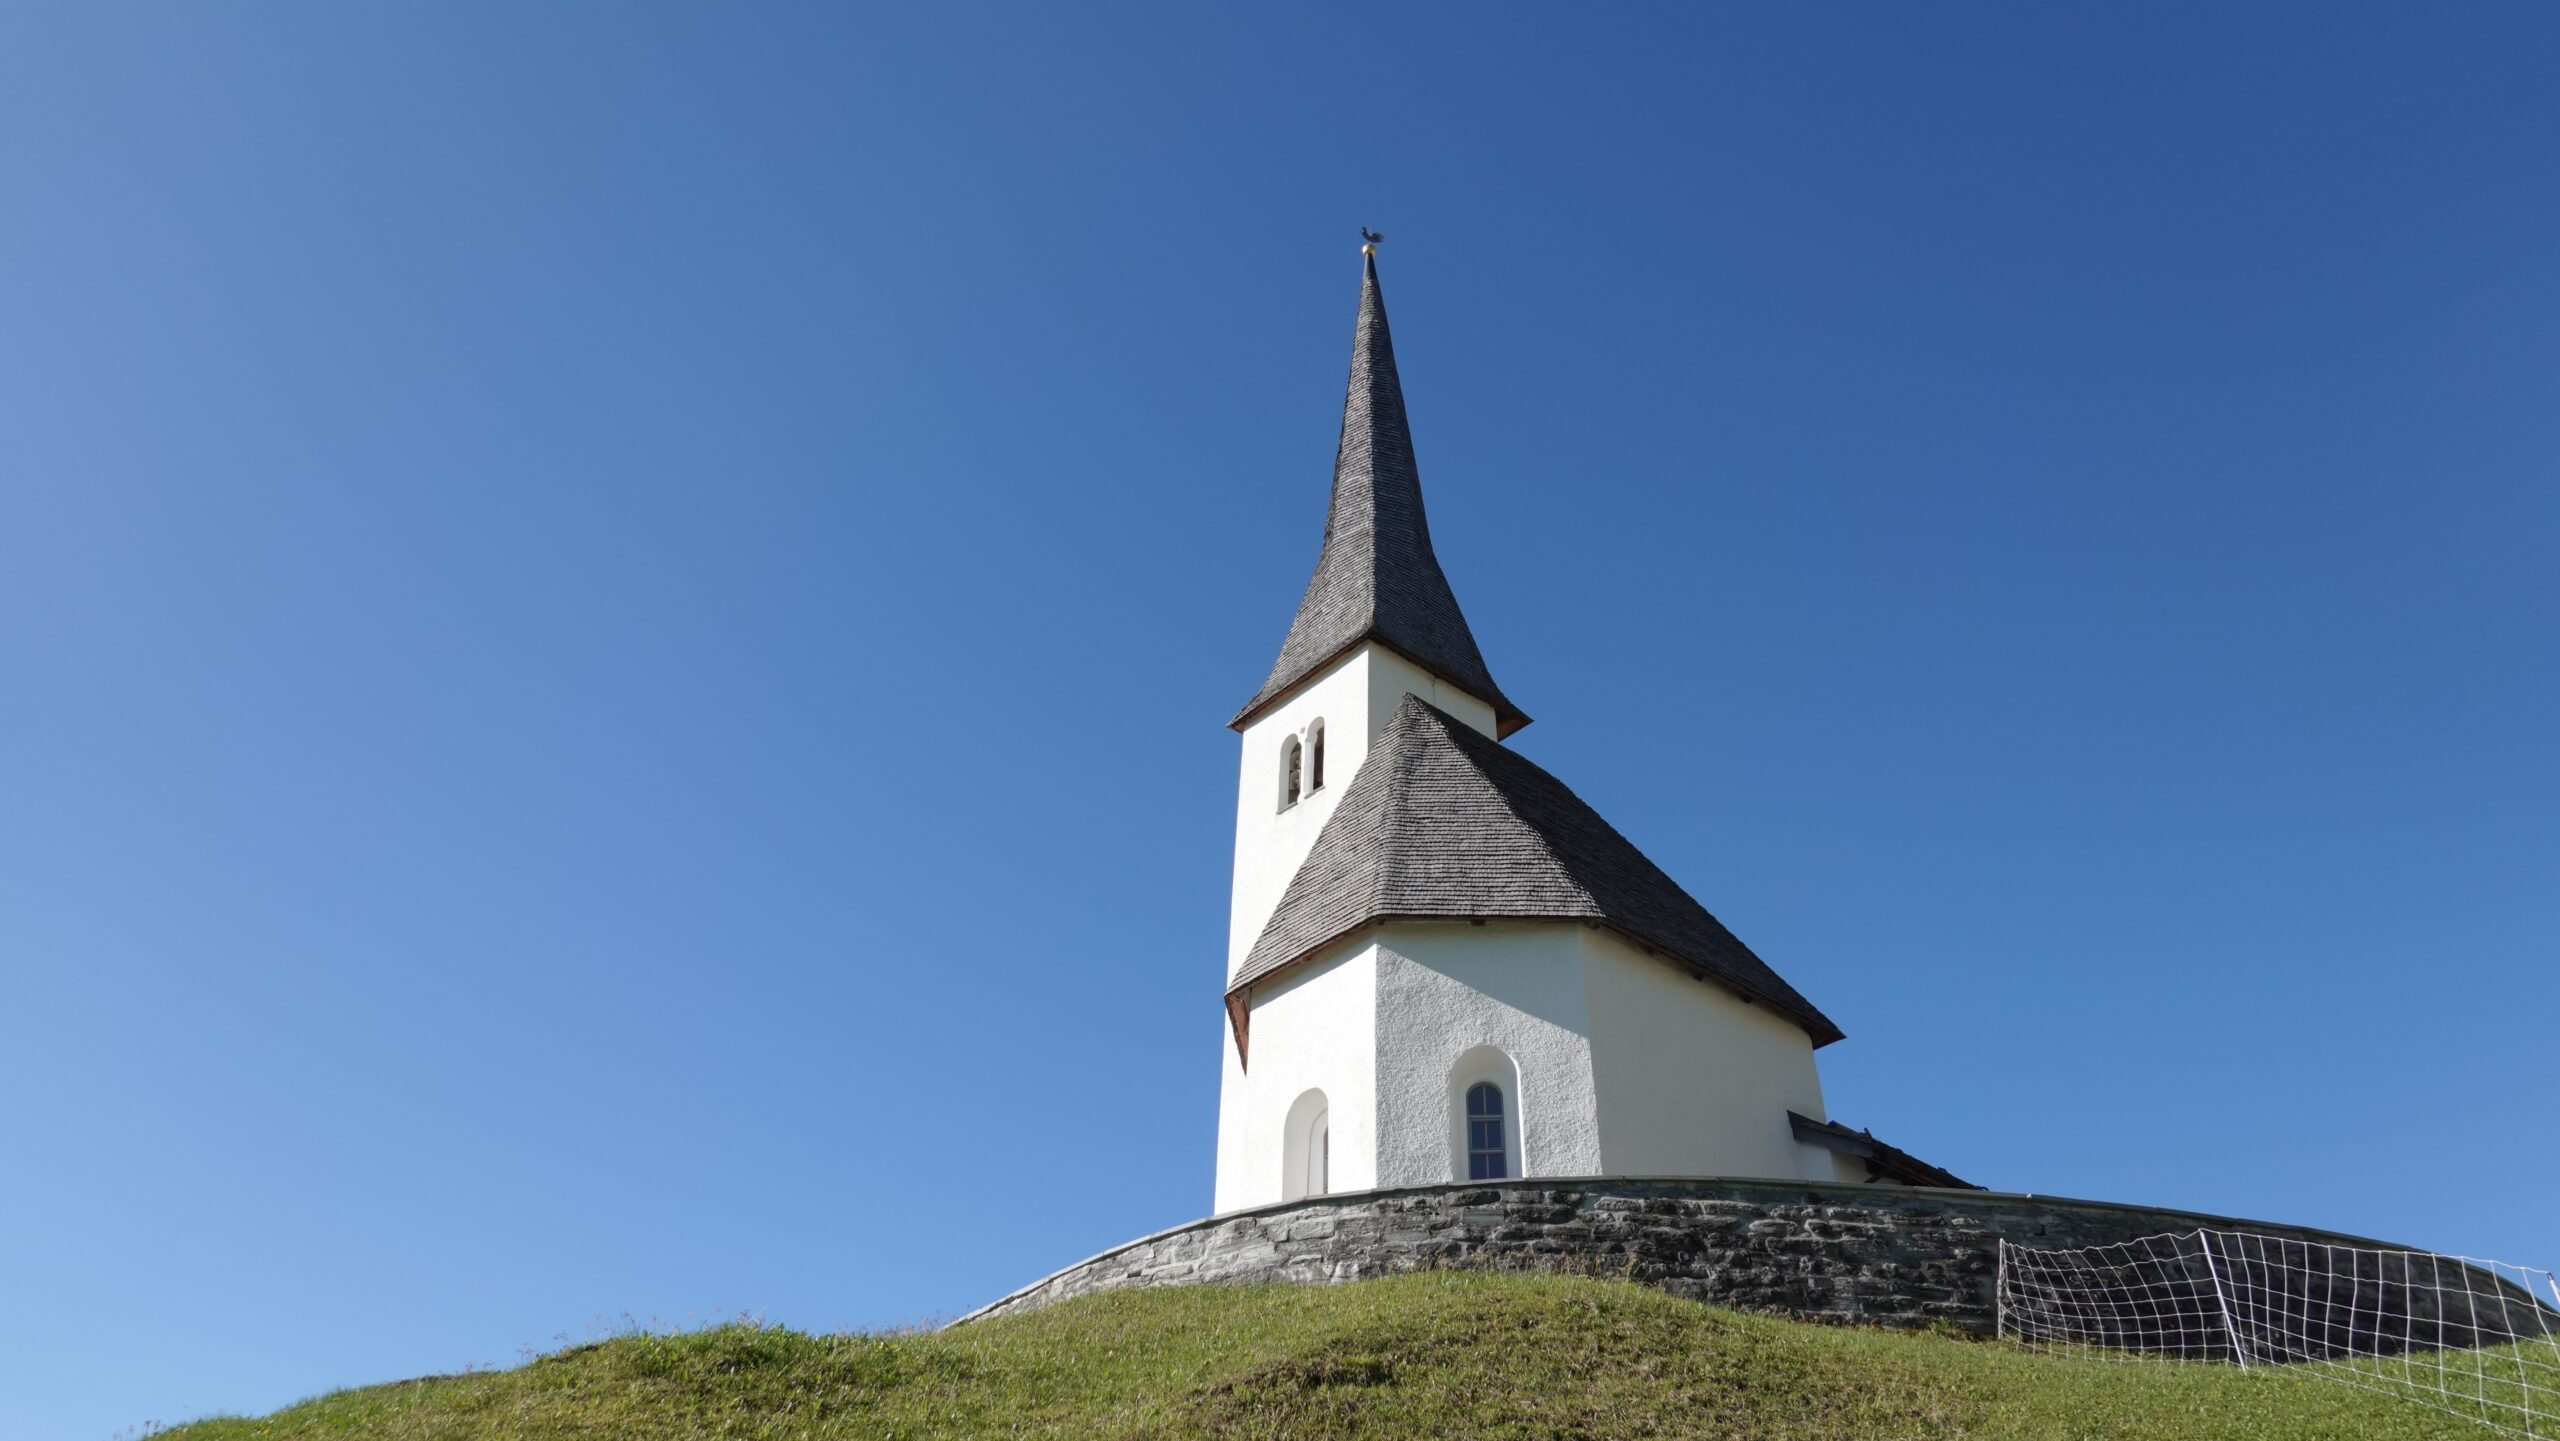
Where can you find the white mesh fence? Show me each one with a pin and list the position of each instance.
(2479, 1339)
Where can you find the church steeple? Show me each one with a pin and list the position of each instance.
(1376, 578)
(1442, 965)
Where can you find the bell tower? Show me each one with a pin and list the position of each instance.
(1378, 622)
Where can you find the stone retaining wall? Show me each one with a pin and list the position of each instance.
(1866, 1254)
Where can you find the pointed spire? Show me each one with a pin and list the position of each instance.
(1376, 578)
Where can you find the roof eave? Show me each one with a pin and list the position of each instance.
(1806, 1017)
(1507, 718)
(1818, 1028)
(1880, 1156)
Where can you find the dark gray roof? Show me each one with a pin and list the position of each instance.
(1884, 1163)
(1376, 578)
(1441, 821)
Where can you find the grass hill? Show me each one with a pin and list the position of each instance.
(1436, 1355)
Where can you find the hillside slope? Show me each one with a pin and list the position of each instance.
(1419, 1356)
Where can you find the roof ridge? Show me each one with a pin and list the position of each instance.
(1456, 825)
(1463, 738)
(1396, 767)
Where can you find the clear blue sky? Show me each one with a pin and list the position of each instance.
(617, 621)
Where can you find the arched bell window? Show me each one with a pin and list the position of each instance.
(1315, 756)
(1292, 757)
(1487, 1158)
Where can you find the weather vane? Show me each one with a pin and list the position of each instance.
(1371, 240)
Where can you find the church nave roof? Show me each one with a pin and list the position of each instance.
(1443, 822)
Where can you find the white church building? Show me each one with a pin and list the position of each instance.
(1442, 965)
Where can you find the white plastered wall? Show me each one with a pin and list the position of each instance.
(1821, 1163)
(1313, 1029)
(1354, 697)
(1448, 987)
(1627, 1065)
(1692, 1080)
(1296, 1031)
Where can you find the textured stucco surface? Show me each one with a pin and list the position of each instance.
(1313, 1031)
(1874, 1255)
(1271, 842)
(1355, 697)
(1623, 1063)
(1306, 1040)
(1691, 1079)
(1445, 988)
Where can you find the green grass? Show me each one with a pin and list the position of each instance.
(1435, 1355)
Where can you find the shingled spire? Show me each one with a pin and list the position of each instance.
(1376, 578)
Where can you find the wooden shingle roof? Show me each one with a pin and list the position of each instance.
(1443, 822)
(1890, 1164)
(1377, 578)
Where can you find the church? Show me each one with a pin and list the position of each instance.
(1469, 1024)
(1442, 964)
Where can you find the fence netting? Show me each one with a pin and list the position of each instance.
(2479, 1339)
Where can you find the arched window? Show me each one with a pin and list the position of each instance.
(1485, 1150)
(1315, 756)
(1488, 1117)
(1290, 753)
(1306, 1148)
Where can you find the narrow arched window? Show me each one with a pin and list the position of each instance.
(1290, 756)
(1315, 756)
(1306, 1148)
(1485, 1160)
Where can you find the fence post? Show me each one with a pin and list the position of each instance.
(2239, 1352)
(2000, 1293)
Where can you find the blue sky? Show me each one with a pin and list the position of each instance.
(617, 620)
